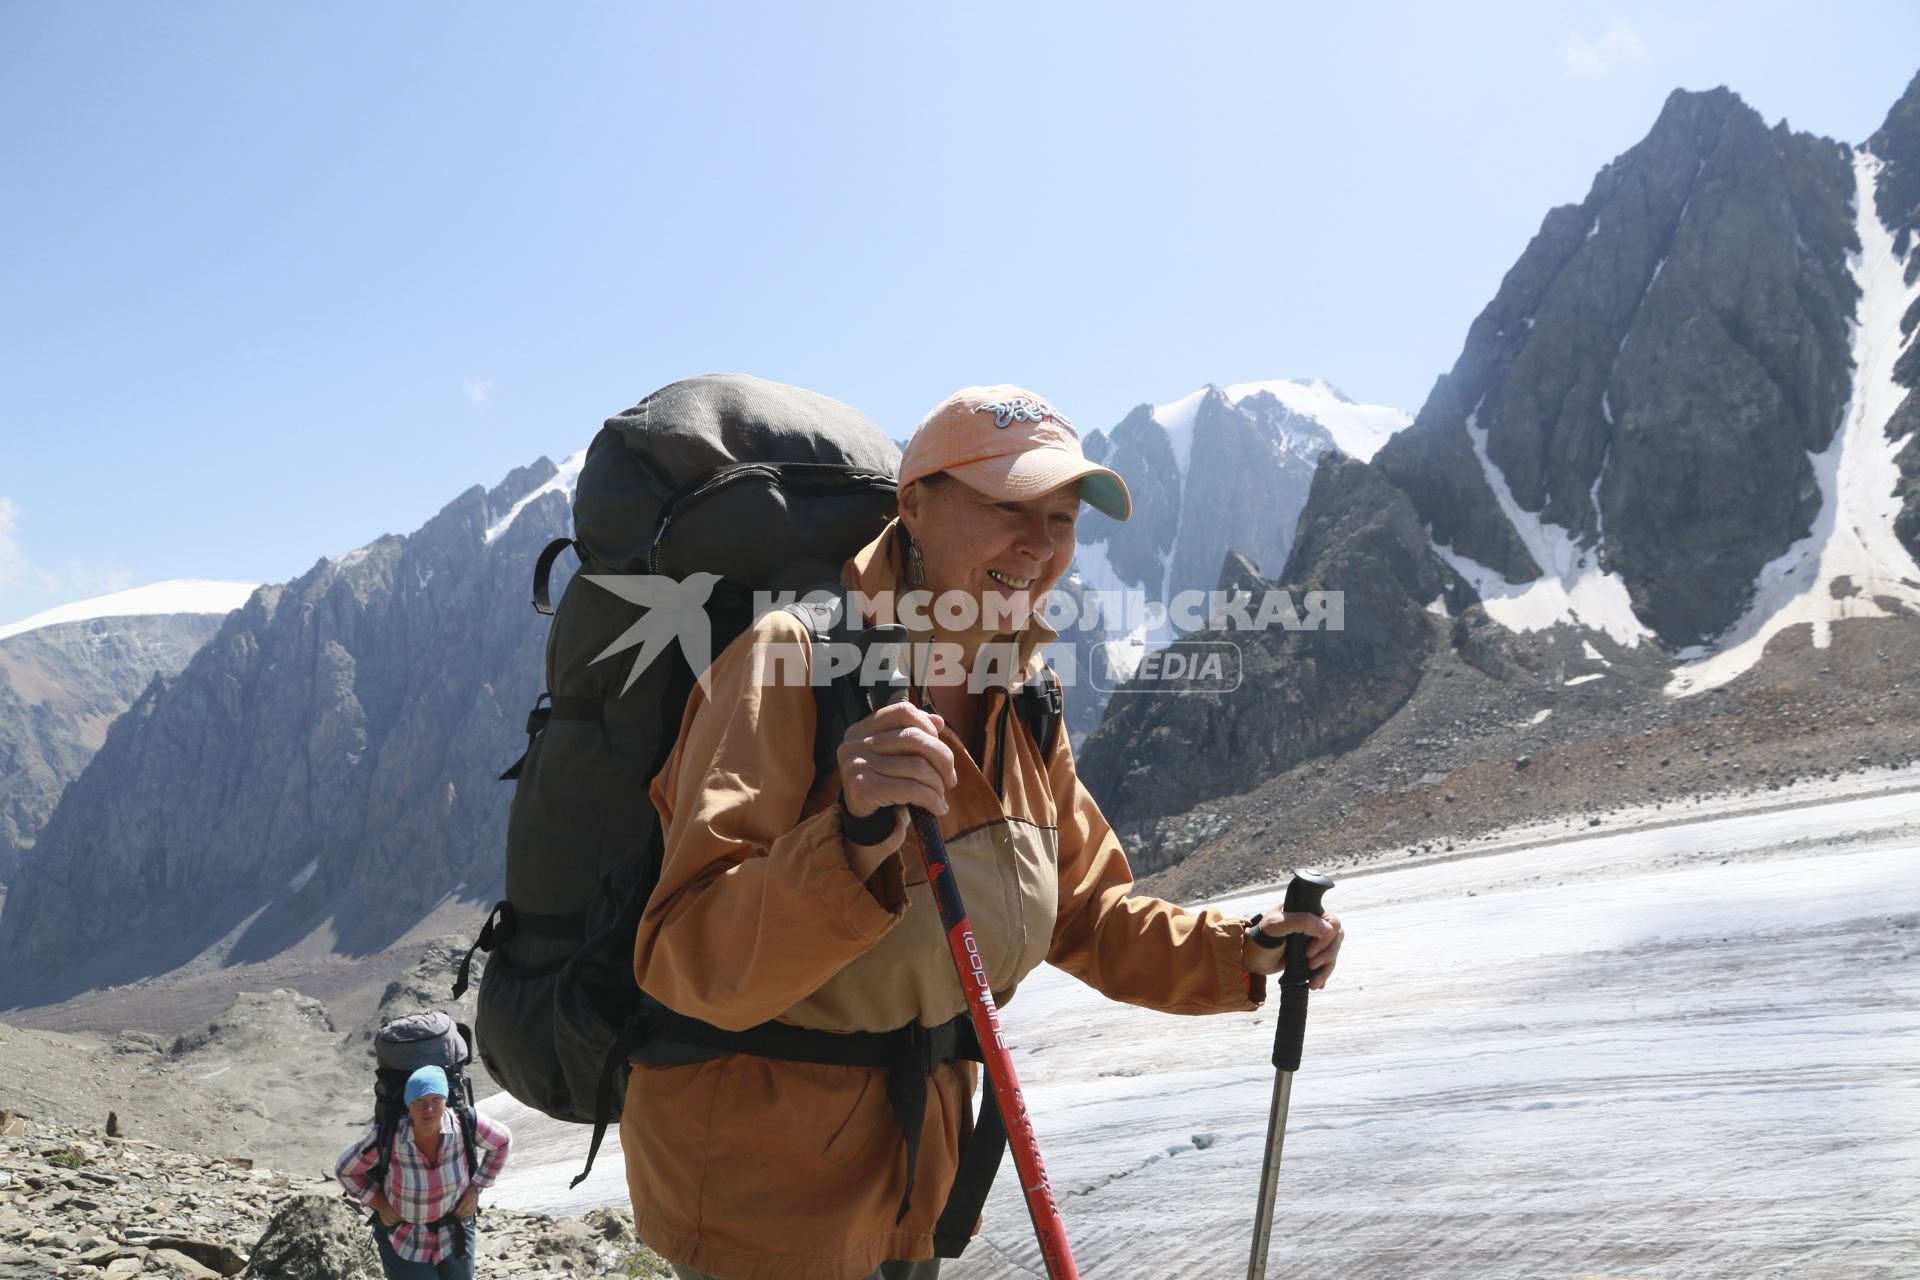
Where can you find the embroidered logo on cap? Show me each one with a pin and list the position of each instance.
(1023, 409)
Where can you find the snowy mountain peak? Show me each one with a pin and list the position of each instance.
(180, 595)
(563, 481)
(1358, 430)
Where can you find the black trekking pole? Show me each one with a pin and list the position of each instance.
(1051, 1232)
(1303, 894)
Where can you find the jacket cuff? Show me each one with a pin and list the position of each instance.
(1240, 988)
(839, 885)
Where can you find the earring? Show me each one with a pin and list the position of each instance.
(916, 564)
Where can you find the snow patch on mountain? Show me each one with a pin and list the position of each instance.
(563, 481)
(1121, 606)
(179, 595)
(1572, 587)
(1177, 420)
(1851, 560)
(1358, 430)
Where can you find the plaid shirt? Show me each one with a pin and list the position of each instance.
(422, 1193)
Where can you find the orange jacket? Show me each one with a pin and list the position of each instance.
(757, 1169)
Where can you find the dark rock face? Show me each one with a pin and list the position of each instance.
(1897, 199)
(1654, 370)
(60, 687)
(1138, 450)
(331, 753)
(315, 1237)
(1897, 144)
(1303, 692)
(1248, 480)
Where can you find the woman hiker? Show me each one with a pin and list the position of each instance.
(781, 902)
(425, 1207)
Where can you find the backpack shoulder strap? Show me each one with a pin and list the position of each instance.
(383, 1143)
(840, 701)
(1039, 704)
(464, 1117)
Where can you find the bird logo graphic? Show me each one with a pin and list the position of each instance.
(675, 609)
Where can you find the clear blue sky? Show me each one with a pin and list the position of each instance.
(280, 278)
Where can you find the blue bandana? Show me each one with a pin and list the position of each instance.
(425, 1081)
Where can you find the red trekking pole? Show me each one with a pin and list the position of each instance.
(1025, 1144)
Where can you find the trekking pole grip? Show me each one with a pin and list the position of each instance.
(1303, 894)
(887, 642)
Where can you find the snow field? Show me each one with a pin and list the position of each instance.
(1620, 1057)
(1678, 1051)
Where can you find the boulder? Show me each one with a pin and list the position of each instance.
(315, 1237)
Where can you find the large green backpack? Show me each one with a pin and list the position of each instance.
(767, 488)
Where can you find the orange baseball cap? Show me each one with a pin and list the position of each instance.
(1011, 444)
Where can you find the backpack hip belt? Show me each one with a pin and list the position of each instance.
(909, 1055)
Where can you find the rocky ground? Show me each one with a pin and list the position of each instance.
(270, 1078)
(75, 1202)
(1485, 745)
(134, 1154)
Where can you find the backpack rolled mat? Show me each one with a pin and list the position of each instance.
(770, 487)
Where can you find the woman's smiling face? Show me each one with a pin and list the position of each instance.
(1005, 555)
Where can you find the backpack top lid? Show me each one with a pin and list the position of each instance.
(418, 1040)
(689, 429)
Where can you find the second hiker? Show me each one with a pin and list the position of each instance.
(425, 1191)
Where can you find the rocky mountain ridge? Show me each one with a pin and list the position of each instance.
(326, 762)
(1222, 470)
(1670, 426)
(1655, 370)
(62, 683)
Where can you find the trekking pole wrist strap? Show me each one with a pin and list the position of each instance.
(875, 828)
(1266, 940)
